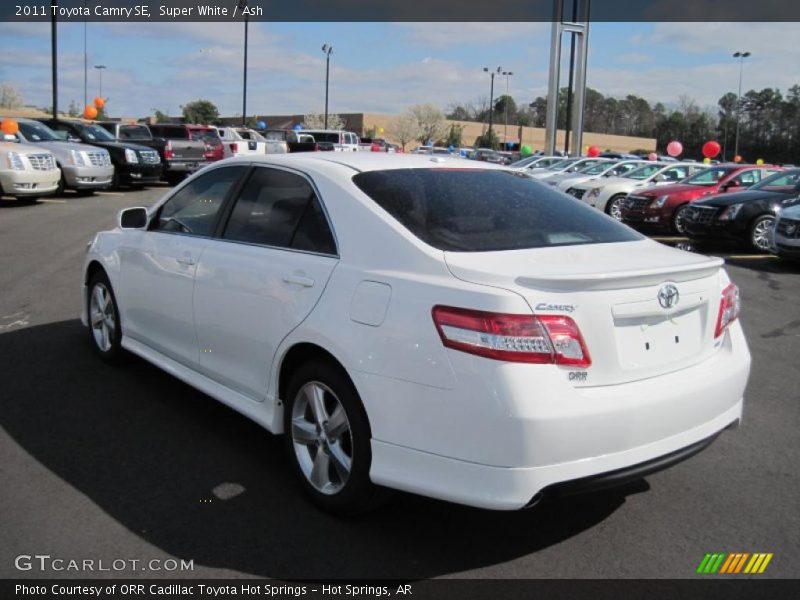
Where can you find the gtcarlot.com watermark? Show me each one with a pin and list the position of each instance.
(48, 563)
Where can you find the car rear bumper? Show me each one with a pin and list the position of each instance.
(728, 230)
(509, 488)
(498, 444)
(29, 182)
(189, 166)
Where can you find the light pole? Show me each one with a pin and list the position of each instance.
(242, 6)
(741, 56)
(505, 126)
(100, 73)
(491, 101)
(85, 63)
(328, 50)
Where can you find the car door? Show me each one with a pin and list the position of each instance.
(742, 180)
(261, 278)
(158, 265)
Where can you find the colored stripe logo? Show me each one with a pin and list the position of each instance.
(734, 563)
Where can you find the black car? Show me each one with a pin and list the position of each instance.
(746, 217)
(134, 164)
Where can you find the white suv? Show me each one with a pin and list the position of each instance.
(440, 326)
(343, 141)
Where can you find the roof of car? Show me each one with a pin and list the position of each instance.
(365, 161)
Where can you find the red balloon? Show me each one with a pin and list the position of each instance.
(652, 156)
(674, 148)
(711, 149)
(593, 151)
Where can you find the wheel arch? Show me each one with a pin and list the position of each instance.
(296, 355)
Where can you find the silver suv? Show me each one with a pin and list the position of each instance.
(83, 167)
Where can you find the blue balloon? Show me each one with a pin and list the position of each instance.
(298, 127)
(262, 125)
(509, 144)
(450, 148)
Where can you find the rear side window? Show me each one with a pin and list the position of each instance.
(281, 209)
(193, 209)
(477, 210)
(134, 132)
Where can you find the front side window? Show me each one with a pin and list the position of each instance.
(747, 178)
(279, 208)
(134, 132)
(482, 210)
(644, 172)
(193, 209)
(676, 174)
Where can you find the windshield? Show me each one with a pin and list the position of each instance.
(621, 169)
(644, 172)
(709, 176)
(95, 132)
(562, 164)
(481, 210)
(134, 132)
(595, 169)
(525, 161)
(37, 132)
(785, 181)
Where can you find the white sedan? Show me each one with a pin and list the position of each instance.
(440, 326)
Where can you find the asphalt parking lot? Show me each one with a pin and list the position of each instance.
(126, 462)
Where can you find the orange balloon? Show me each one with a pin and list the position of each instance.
(737, 159)
(9, 126)
(99, 102)
(90, 112)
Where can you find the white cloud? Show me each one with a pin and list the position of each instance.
(455, 34)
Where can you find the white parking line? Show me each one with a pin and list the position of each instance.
(52, 201)
(110, 193)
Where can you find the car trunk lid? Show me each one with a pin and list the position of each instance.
(612, 292)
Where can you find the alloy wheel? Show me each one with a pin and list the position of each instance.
(101, 317)
(760, 234)
(321, 438)
(615, 208)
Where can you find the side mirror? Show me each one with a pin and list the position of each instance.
(133, 218)
(72, 138)
(660, 178)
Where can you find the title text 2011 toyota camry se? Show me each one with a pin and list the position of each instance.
(429, 324)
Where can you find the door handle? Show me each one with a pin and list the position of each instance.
(186, 261)
(298, 280)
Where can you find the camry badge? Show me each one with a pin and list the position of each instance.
(668, 296)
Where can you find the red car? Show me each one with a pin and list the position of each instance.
(203, 133)
(664, 207)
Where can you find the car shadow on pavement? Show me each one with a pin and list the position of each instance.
(149, 451)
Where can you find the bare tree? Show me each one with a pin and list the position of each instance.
(10, 96)
(430, 120)
(317, 121)
(404, 128)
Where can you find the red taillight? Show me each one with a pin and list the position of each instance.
(168, 150)
(317, 148)
(234, 147)
(543, 339)
(729, 306)
(375, 148)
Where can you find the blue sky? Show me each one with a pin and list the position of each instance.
(383, 67)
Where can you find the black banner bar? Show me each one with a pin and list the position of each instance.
(395, 10)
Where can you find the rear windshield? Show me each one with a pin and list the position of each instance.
(326, 137)
(209, 136)
(482, 210)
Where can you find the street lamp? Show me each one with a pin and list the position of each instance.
(491, 101)
(327, 50)
(741, 56)
(242, 7)
(505, 127)
(100, 73)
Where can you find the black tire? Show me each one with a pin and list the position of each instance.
(679, 220)
(357, 493)
(62, 184)
(85, 193)
(113, 353)
(28, 199)
(116, 180)
(614, 206)
(174, 179)
(756, 237)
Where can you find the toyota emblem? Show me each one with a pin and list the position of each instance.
(668, 296)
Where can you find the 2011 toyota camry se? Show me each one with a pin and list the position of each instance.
(444, 327)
